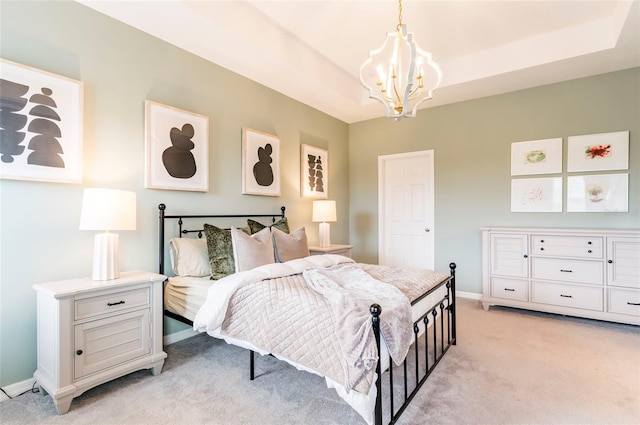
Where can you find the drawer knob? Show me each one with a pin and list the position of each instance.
(589, 251)
(541, 249)
(79, 352)
(526, 256)
(589, 243)
(610, 261)
(541, 240)
(112, 304)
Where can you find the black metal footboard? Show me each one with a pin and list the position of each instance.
(427, 351)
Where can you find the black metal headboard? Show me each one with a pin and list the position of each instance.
(182, 231)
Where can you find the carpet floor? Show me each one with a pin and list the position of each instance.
(509, 367)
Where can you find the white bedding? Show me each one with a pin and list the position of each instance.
(211, 315)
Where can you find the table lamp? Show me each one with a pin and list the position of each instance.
(107, 209)
(323, 212)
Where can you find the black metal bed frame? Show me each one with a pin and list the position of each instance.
(443, 310)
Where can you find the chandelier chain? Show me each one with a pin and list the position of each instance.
(399, 15)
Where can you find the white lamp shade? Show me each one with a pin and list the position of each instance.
(324, 211)
(108, 209)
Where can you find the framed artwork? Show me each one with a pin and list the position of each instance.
(314, 172)
(598, 193)
(41, 116)
(536, 157)
(260, 163)
(536, 195)
(598, 152)
(176, 149)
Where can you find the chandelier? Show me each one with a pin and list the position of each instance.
(395, 75)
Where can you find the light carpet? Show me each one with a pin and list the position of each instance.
(509, 367)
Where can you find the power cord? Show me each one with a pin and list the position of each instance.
(32, 390)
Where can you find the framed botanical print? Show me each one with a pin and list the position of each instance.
(314, 172)
(260, 163)
(598, 193)
(536, 157)
(536, 195)
(41, 116)
(598, 152)
(176, 148)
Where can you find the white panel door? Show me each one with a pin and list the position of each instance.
(406, 210)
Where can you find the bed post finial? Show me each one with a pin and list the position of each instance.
(282, 208)
(453, 266)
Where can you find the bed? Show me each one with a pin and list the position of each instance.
(356, 325)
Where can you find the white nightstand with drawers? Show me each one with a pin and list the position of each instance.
(331, 249)
(579, 272)
(90, 332)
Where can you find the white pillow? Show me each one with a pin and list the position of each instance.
(251, 251)
(189, 257)
(290, 246)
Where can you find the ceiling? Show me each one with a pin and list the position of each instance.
(311, 50)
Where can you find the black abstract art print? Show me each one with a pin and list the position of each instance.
(41, 120)
(260, 163)
(314, 172)
(176, 148)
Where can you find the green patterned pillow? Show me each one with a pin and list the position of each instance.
(220, 251)
(281, 224)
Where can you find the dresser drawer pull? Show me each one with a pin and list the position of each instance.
(112, 304)
(589, 251)
(79, 352)
(589, 243)
(510, 289)
(566, 271)
(566, 296)
(630, 303)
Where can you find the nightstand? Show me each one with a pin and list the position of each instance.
(331, 249)
(90, 332)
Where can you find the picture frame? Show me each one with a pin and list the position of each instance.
(176, 148)
(314, 172)
(42, 125)
(598, 193)
(598, 152)
(536, 157)
(260, 163)
(536, 195)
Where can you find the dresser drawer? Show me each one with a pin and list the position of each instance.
(509, 288)
(624, 302)
(568, 270)
(567, 295)
(568, 246)
(112, 302)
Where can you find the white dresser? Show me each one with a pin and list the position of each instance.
(577, 272)
(90, 332)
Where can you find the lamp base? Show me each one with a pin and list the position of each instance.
(105, 257)
(324, 235)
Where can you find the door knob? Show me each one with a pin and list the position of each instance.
(426, 229)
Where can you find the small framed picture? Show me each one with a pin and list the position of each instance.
(314, 172)
(260, 163)
(598, 193)
(598, 152)
(536, 157)
(41, 115)
(536, 195)
(176, 149)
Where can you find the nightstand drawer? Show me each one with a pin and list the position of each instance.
(624, 302)
(568, 246)
(578, 271)
(112, 302)
(567, 295)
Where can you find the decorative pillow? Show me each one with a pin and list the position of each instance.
(189, 257)
(290, 246)
(220, 251)
(251, 251)
(281, 224)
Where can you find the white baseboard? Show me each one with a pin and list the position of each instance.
(179, 336)
(469, 295)
(16, 389)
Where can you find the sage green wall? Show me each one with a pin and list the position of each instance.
(472, 146)
(122, 67)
